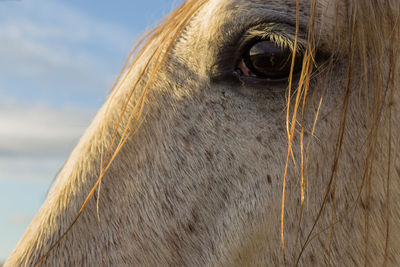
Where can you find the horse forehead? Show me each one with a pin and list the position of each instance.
(274, 10)
(270, 4)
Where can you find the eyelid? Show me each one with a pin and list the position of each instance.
(280, 34)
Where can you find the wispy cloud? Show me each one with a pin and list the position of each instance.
(48, 63)
(40, 130)
(20, 218)
(61, 21)
(49, 46)
(35, 140)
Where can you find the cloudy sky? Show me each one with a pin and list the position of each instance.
(58, 60)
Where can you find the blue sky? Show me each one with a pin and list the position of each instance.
(58, 61)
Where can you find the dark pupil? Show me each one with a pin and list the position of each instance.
(267, 60)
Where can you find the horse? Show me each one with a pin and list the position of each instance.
(239, 133)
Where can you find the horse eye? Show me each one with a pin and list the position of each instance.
(266, 60)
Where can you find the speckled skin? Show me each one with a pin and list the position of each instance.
(200, 181)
